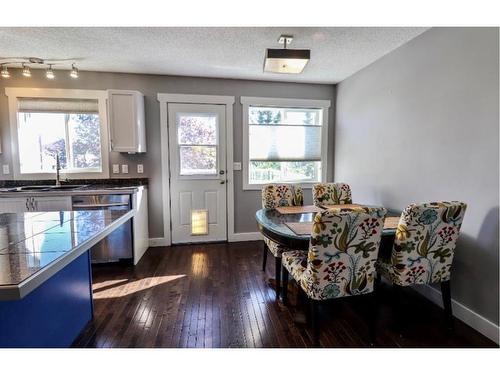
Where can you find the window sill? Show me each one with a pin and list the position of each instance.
(258, 187)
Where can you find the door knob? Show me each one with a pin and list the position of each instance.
(221, 172)
(222, 182)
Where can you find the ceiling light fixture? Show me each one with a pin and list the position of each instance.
(50, 73)
(5, 72)
(26, 71)
(26, 63)
(290, 61)
(74, 71)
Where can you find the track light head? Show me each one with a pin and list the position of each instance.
(50, 73)
(74, 71)
(26, 71)
(5, 72)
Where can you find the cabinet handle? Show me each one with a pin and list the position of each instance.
(27, 204)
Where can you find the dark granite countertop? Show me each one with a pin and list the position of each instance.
(11, 188)
(35, 245)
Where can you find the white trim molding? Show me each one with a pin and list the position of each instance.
(13, 93)
(462, 312)
(158, 242)
(245, 236)
(165, 99)
(324, 105)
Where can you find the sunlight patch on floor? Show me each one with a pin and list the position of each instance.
(124, 287)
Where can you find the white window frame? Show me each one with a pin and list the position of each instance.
(14, 93)
(250, 101)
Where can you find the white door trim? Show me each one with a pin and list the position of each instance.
(228, 101)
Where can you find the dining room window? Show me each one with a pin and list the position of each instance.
(284, 141)
(70, 128)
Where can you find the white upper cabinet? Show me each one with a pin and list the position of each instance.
(127, 121)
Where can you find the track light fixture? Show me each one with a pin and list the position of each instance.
(26, 63)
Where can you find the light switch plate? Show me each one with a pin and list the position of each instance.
(116, 168)
(237, 166)
(124, 168)
(140, 168)
(6, 169)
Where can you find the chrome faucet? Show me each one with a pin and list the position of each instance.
(58, 168)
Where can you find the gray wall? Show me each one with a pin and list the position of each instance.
(246, 202)
(421, 124)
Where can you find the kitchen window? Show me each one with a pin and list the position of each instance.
(285, 140)
(69, 124)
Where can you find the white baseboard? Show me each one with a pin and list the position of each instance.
(158, 241)
(244, 236)
(466, 315)
(235, 237)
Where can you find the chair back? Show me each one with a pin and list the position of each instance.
(425, 242)
(342, 252)
(277, 195)
(331, 193)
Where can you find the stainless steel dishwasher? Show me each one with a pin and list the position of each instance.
(118, 245)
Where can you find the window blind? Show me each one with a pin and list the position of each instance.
(36, 105)
(279, 142)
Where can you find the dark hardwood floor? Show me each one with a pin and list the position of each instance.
(216, 296)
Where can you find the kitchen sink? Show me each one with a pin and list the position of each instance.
(47, 188)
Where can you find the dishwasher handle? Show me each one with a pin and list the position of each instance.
(100, 205)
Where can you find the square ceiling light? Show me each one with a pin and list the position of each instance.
(288, 61)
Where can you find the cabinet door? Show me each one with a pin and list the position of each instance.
(126, 120)
(53, 204)
(14, 205)
(122, 118)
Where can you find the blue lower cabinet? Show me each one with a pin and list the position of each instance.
(52, 315)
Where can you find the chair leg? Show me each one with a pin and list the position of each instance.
(446, 294)
(372, 317)
(284, 292)
(313, 305)
(264, 258)
(378, 281)
(278, 276)
(400, 313)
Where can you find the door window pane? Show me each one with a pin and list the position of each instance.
(197, 129)
(197, 140)
(196, 160)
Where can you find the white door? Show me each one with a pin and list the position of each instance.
(197, 139)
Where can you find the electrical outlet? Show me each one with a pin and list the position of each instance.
(140, 168)
(124, 168)
(237, 166)
(6, 169)
(116, 168)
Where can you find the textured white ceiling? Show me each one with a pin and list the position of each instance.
(224, 52)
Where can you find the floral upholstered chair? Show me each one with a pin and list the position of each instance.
(331, 193)
(424, 247)
(279, 195)
(342, 254)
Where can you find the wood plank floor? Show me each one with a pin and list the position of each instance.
(216, 296)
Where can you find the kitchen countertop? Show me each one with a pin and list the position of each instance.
(36, 245)
(85, 190)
